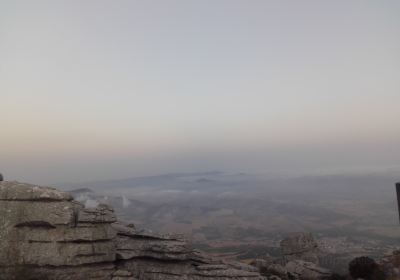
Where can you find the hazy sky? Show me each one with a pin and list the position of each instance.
(108, 89)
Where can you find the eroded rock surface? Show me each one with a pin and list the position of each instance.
(299, 260)
(44, 229)
(303, 270)
(293, 270)
(390, 265)
(45, 234)
(170, 257)
(300, 246)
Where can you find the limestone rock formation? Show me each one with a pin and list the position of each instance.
(303, 270)
(45, 234)
(299, 260)
(300, 246)
(44, 229)
(390, 265)
(293, 270)
(170, 257)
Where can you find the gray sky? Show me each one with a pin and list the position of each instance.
(107, 89)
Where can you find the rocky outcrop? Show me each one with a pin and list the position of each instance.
(299, 260)
(293, 270)
(170, 257)
(303, 270)
(45, 234)
(300, 246)
(390, 265)
(44, 229)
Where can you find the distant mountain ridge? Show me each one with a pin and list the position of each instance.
(147, 180)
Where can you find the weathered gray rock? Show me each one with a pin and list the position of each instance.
(300, 246)
(16, 191)
(45, 235)
(303, 270)
(298, 243)
(270, 269)
(101, 214)
(153, 257)
(90, 272)
(240, 266)
(123, 275)
(299, 260)
(44, 231)
(131, 245)
(152, 269)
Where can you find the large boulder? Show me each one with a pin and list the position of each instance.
(300, 246)
(299, 260)
(303, 270)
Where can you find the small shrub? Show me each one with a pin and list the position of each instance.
(365, 268)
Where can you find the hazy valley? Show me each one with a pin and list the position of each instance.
(244, 216)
